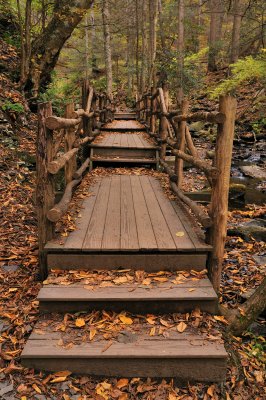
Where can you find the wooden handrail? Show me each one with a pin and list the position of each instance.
(54, 122)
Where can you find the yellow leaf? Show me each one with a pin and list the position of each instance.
(122, 383)
(152, 331)
(36, 388)
(63, 373)
(181, 327)
(221, 319)
(146, 281)
(151, 320)
(59, 379)
(164, 323)
(125, 320)
(92, 333)
(172, 397)
(180, 234)
(191, 290)
(210, 390)
(161, 279)
(23, 398)
(80, 322)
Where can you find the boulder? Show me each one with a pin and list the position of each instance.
(256, 228)
(254, 171)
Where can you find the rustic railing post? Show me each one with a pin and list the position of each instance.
(85, 94)
(70, 137)
(44, 183)
(181, 139)
(153, 109)
(220, 190)
(163, 129)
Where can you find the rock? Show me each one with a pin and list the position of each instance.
(258, 329)
(255, 228)
(254, 171)
(210, 154)
(10, 268)
(236, 191)
(196, 126)
(4, 389)
(261, 260)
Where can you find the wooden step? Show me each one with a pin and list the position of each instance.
(118, 129)
(187, 356)
(125, 160)
(155, 298)
(125, 116)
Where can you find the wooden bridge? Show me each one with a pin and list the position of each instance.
(127, 223)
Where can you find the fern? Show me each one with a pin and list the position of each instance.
(244, 70)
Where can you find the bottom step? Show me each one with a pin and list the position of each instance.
(135, 351)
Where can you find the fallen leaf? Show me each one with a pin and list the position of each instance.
(122, 383)
(180, 234)
(125, 320)
(181, 327)
(80, 322)
(92, 333)
(58, 379)
(36, 388)
(63, 373)
(152, 331)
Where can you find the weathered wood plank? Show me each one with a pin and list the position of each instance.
(111, 234)
(149, 262)
(144, 226)
(94, 235)
(174, 223)
(129, 236)
(76, 238)
(160, 228)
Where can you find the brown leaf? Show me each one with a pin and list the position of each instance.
(80, 322)
(122, 383)
(181, 327)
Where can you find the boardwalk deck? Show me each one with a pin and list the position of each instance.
(128, 222)
(125, 214)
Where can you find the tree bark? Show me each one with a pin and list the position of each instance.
(236, 32)
(180, 49)
(212, 62)
(47, 46)
(240, 320)
(107, 47)
(153, 17)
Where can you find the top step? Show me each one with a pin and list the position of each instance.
(124, 125)
(125, 116)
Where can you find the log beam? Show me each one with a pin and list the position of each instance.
(203, 218)
(78, 174)
(55, 213)
(55, 165)
(54, 122)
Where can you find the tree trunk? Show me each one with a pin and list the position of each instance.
(212, 62)
(47, 46)
(241, 319)
(153, 17)
(107, 47)
(143, 48)
(236, 32)
(161, 27)
(180, 49)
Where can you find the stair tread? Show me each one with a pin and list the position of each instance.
(188, 290)
(189, 344)
(123, 159)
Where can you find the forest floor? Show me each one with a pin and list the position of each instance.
(243, 270)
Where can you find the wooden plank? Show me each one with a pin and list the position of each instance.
(124, 140)
(94, 235)
(129, 236)
(117, 140)
(138, 142)
(145, 231)
(179, 345)
(160, 228)
(172, 219)
(76, 238)
(111, 234)
(199, 243)
(125, 160)
(199, 370)
(149, 262)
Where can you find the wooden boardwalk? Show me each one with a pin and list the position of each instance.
(129, 213)
(124, 147)
(128, 223)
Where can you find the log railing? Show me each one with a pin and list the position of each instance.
(59, 142)
(172, 133)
